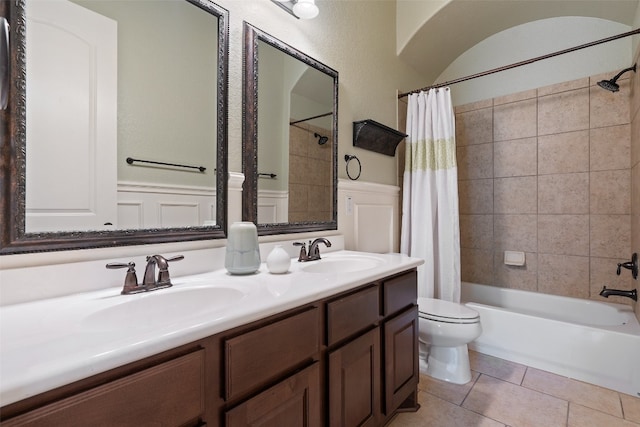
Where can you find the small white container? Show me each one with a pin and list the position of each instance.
(278, 261)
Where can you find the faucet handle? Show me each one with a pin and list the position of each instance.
(164, 279)
(131, 279)
(630, 265)
(303, 251)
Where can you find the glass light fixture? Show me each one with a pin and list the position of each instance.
(305, 9)
(301, 9)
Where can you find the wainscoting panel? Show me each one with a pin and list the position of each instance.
(369, 216)
(273, 206)
(152, 206)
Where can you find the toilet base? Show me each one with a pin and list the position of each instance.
(449, 364)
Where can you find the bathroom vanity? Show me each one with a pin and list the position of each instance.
(313, 349)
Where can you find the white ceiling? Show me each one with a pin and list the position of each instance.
(460, 24)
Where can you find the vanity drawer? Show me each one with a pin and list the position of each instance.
(256, 357)
(171, 393)
(399, 292)
(352, 313)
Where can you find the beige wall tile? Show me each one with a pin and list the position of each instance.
(478, 105)
(602, 272)
(300, 194)
(515, 195)
(476, 265)
(635, 139)
(580, 416)
(564, 275)
(564, 87)
(475, 196)
(475, 161)
(635, 208)
(588, 395)
(563, 112)
(299, 140)
(563, 193)
(610, 192)
(515, 120)
(516, 232)
(476, 231)
(524, 278)
(563, 153)
(609, 236)
(514, 97)
(609, 108)
(298, 169)
(515, 158)
(515, 406)
(563, 234)
(474, 127)
(610, 148)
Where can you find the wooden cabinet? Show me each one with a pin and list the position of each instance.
(354, 382)
(348, 360)
(295, 401)
(169, 394)
(401, 368)
(254, 358)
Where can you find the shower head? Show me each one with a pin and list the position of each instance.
(611, 85)
(322, 139)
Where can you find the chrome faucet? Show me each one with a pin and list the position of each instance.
(149, 281)
(314, 250)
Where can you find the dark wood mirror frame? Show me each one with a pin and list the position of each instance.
(13, 238)
(250, 135)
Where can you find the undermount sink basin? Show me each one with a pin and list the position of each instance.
(161, 307)
(348, 264)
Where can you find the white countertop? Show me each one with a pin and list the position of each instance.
(49, 343)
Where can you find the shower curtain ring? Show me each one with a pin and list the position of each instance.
(348, 158)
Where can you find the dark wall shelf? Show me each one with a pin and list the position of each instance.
(374, 136)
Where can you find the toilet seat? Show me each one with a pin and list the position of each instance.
(445, 311)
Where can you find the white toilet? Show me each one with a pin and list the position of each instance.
(445, 328)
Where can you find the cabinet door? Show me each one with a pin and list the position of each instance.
(292, 402)
(354, 382)
(401, 371)
(169, 394)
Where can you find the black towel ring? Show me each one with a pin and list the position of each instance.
(348, 158)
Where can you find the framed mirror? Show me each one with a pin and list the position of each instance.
(116, 128)
(289, 138)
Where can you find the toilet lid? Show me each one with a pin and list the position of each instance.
(446, 311)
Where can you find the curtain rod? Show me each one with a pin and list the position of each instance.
(518, 64)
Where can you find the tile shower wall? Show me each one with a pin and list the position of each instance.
(547, 172)
(635, 168)
(308, 159)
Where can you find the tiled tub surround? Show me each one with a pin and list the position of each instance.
(547, 172)
(48, 343)
(503, 393)
(635, 164)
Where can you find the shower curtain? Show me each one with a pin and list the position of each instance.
(430, 220)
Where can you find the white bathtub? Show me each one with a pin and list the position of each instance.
(591, 341)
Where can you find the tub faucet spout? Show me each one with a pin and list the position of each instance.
(633, 294)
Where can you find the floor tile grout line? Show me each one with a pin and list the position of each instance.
(470, 388)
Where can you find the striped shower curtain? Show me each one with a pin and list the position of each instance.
(430, 220)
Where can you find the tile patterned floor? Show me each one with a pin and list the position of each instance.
(507, 394)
